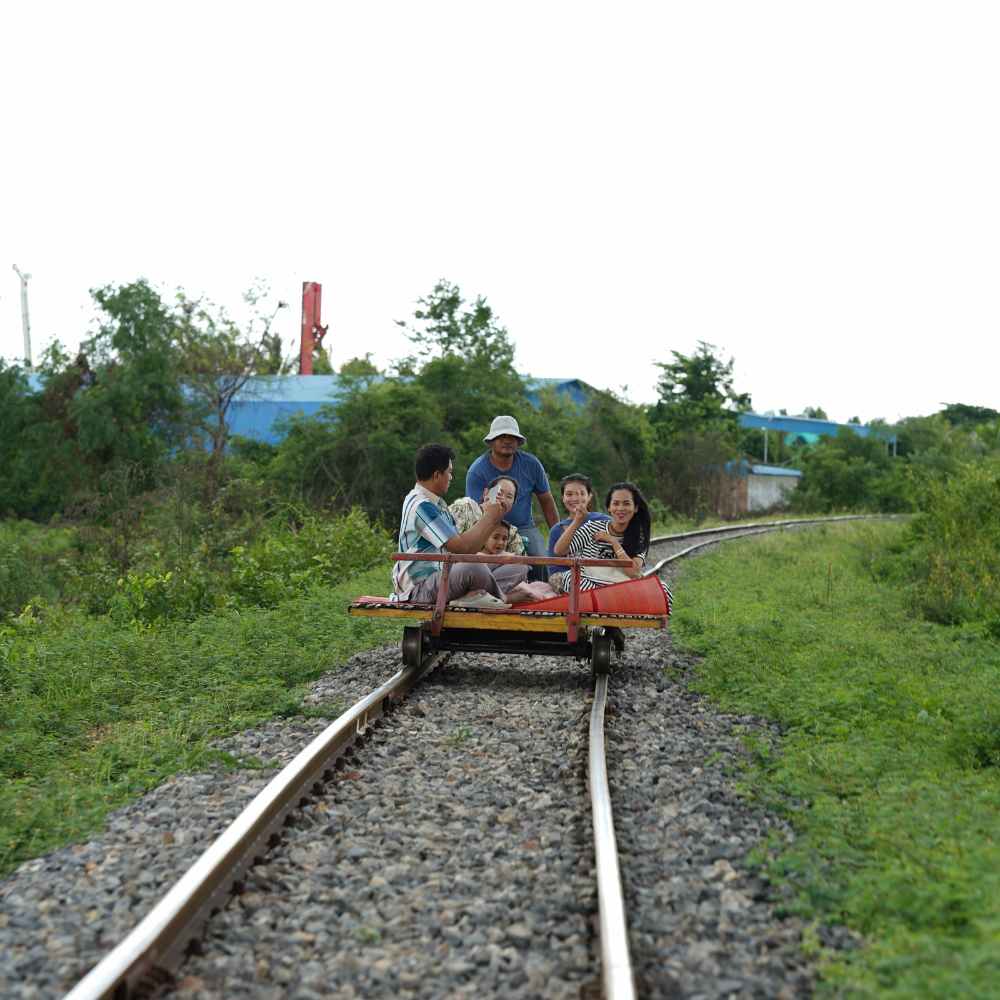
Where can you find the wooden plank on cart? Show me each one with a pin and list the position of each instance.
(502, 620)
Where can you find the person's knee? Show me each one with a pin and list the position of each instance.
(480, 576)
(509, 575)
(469, 576)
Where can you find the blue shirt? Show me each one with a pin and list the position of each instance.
(557, 529)
(425, 526)
(526, 471)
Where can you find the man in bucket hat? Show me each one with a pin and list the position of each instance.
(505, 458)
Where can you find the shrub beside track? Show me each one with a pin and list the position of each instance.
(888, 765)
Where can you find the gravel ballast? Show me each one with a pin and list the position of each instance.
(452, 855)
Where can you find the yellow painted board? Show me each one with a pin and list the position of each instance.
(524, 622)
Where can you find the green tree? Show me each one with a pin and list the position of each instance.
(116, 405)
(272, 361)
(28, 442)
(217, 360)
(129, 407)
(321, 361)
(359, 367)
(359, 453)
(696, 394)
(965, 415)
(446, 326)
(696, 422)
(850, 472)
(616, 441)
(466, 363)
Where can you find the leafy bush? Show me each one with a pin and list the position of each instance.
(888, 759)
(848, 472)
(33, 563)
(152, 597)
(94, 712)
(954, 548)
(285, 562)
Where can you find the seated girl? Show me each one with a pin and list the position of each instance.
(512, 578)
(625, 536)
(467, 513)
(577, 491)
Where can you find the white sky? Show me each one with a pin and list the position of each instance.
(813, 187)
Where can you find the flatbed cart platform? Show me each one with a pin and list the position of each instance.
(555, 627)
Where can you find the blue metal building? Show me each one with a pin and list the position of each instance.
(266, 400)
(808, 428)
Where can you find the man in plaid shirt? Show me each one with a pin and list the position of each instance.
(427, 526)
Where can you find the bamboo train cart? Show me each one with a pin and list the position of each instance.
(586, 625)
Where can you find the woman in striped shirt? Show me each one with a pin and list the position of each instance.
(625, 536)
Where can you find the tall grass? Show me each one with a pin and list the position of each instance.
(954, 552)
(33, 563)
(92, 713)
(889, 767)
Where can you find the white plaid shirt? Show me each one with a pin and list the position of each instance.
(425, 526)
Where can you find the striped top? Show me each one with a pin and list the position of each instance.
(585, 546)
(425, 526)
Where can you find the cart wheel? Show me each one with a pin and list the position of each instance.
(617, 640)
(413, 646)
(600, 654)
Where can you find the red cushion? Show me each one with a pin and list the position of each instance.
(645, 596)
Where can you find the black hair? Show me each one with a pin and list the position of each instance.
(636, 539)
(432, 458)
(584, 480)
(503, 524)
(510, 479)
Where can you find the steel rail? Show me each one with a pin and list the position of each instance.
(728, 529)
(616, 963)
(158, 942)
(741, 530)
(656, 567)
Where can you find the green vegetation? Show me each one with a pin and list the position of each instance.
(162, 584)
(32, 563)
(147, 399)
(951, 558)
(847, 472)
(94, 713)
(889, 761)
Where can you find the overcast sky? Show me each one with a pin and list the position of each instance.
(812, 187)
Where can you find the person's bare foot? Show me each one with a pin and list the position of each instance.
(518, 594)
(528, 592)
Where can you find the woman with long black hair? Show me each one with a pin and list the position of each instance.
(625, 536)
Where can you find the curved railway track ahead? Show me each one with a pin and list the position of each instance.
(666, 548)
(152, 952)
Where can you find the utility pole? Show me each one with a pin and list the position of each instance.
(25, 321)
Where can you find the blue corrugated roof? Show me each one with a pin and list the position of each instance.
(741, 467)
(571, 387)
(294, 388)
(773, 470)
(808, 426)
(267, 399)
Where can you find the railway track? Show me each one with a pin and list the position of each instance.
(312, 792)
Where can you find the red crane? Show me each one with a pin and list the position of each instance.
(313, 331)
